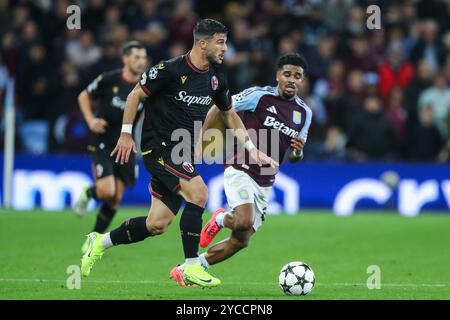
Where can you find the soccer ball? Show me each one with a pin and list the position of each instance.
(296, 279)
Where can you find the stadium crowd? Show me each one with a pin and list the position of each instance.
(376, 95)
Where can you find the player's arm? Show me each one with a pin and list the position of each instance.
(296, 153)
(298, 142)
(96, 125)
(126, 144)
(233, 121)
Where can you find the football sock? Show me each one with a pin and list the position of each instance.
(190, 227)
(203, 261)
(106, 241)
(104, 218)
(220, 217)
(190, 261)
(91, 192)
(131, 231)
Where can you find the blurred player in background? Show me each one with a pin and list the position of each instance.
(248, 188)
(177, 93)
(102, 104)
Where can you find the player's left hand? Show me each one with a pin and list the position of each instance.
(124, 146)
(297, 144)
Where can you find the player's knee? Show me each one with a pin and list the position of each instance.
(156, 227)
(115, 201)
(243, 225)
(106, 194)
(199, 195)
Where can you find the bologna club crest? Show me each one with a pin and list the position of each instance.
(214, 83)
(188, 167)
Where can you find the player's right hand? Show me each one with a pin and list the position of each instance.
(123, 149)
(97, 125)
(261, 158)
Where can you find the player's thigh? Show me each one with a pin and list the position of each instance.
(104, 174)
(160, 216)
(170, 199)
(239, 191)
(246, 197)
(127, 172)
(194, 190)
(170, 177)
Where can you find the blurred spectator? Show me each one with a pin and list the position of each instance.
(396, 113)
(238, 56)
(182, 22)
(5, 16)
(355, 25)
(315, 27)
(429, 47)
(320, 58)
(317, 108)
(35, 87)
(438, 98)
(344, 112)
(35, 83)
(93, 14)
(111, 23)
(371, 137)
(332, 87)
(84, 53)
(110, 59)
(337, 11)
(426, 142)
(423, 79)
(395, 72)
(332, 148)
(151, 29)
(359, 57)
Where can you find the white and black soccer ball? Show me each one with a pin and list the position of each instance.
(296, 279)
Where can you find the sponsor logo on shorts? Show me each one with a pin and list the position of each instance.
(188, 167)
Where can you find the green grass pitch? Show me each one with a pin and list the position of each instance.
(36, 248)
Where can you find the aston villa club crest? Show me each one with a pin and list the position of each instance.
(188, 167)
(297, 117)
(214, 83)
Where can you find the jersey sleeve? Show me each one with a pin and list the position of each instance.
(303, 134)
(247, 100)
(222, 96)
(97, 87)
(155, 79)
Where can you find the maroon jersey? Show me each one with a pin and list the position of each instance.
(271, 122)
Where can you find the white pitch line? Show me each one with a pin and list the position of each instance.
(343, 284)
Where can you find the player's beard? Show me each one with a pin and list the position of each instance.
(212, 59)
(289, 96)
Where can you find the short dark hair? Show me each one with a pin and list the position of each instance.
(128, 46)
(295, 59)
(207, 28)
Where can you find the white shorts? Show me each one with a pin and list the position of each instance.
(240, 189)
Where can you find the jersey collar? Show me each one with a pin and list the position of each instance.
(191, 65)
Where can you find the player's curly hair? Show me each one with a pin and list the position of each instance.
(295, 59)
(206, 28)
